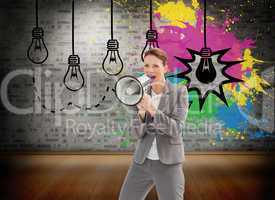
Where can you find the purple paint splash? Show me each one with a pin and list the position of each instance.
(175, 40)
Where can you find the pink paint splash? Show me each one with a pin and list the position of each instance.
(175, 41)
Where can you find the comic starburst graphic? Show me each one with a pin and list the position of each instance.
(207, 74)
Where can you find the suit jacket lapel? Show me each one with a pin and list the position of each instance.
(164, 97)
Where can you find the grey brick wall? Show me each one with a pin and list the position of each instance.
(104, 127)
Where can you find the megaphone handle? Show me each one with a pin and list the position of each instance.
(146, 90)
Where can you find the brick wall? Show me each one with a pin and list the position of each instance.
(105, 127)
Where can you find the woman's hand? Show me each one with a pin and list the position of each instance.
(140, 107)
(146, 105)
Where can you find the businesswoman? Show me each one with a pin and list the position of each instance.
(157, 125)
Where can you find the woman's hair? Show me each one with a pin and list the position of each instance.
(159, 53)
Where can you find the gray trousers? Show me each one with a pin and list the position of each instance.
(168, 179)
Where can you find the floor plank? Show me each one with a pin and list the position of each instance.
(99, 177)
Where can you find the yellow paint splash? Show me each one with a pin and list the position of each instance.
(195, 4)
(210, 18)
(249, 61)
(178, 12)
(251, 85)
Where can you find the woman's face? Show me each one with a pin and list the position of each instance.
(154, 68)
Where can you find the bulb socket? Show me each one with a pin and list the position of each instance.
(206, 52)
(152, 35)
(37, 32)
(73, 60)
(112, 45)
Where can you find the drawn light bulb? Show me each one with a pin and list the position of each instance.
(151, 42)
(206, 72)
(37, 51)
(112, 63)
(73, 78)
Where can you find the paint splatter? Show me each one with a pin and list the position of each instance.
(180, 27)
(238, 122)
(185, 31)
(177, 12)
(253, 83)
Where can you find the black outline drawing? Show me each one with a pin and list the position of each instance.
(207, 53)
(151, 35)
(227, 64)
(73, 61)
(112, 46)
(69, 103)
(37, 39)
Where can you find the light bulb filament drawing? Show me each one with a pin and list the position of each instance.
(37, 51)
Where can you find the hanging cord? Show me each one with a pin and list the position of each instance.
(73, 27)
(204, 24)
(112, 31)
(36, 12)
(151, 15)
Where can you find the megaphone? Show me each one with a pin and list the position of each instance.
(129, 89)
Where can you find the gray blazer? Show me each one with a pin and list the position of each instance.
(165, 126)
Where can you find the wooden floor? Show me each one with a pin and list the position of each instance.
(99, 177)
